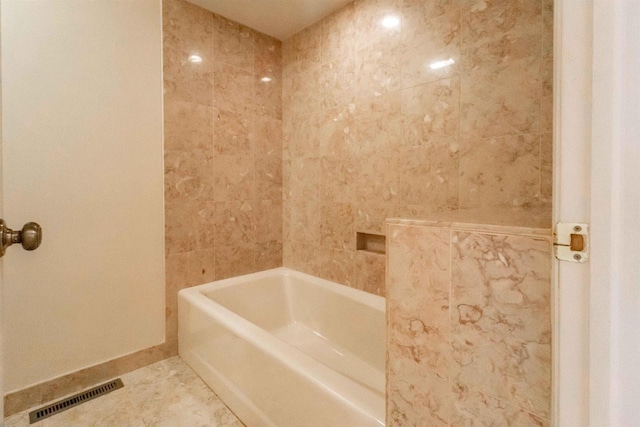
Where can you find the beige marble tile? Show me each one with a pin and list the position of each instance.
(524, 221)
(483, 20)
(187, 81)
(267, 137)
(233, 89)
(268, 255)
(188, 226)
(115, 408)
(306, 92)
(336, 226)
(304, 257)
(546, 168)
(338, 83)
(267, 220)
(336, 132)
(187, 269)
(305, 221)
(337, 265)
(428, 175)
(188, 175)
(188, 151)
(233, 178)
(369, 15)
(418, 297)
(431, 111)
(166, 393)
(268, 95)
(302, 136)
(60, 387)
(546, 114)
(418, 397)
(268, 176)
(169, 393)
(547, 77)
(428, 8)
(376, 178)
(547, 28)
(500, 171)
(338, 34)
(475, 408)
(378, 124)
(305, 49)
(233, 43)
(427, 39)
(233, 133)
(267, 55)
(370, 272)
(234, 260)
(378, 69)
(187, 30)
(337, 178)
(234, 223)
(501, 318)
(501, 99)
(186, 27)
(268, 63)
(188, 127)
(409, 211)
(305, 179)
(371, 216)
(418, 330)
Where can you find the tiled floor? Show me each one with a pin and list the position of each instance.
(167, 393)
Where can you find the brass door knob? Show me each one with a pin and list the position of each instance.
(29, 237)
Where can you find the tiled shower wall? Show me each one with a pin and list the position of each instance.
(372, 132)
(223, 150)
(469, 332)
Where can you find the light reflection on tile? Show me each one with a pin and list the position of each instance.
(407, 139)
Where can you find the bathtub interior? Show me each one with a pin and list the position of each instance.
(344, 334)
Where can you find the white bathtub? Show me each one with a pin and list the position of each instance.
(282, 348)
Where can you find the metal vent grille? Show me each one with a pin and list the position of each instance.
(75, 400)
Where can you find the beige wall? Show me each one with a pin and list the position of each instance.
(372, 132)
(82, 140)
(223, 150)
(469, 325)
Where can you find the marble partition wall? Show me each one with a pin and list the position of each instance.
(371, 131)
(469, 325)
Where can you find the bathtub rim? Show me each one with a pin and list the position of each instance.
(355, 395)
(373, 301)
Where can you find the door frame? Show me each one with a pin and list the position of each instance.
(596, 153)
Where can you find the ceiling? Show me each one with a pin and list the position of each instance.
(278, 18)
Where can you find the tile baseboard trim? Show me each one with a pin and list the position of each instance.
(56, 388)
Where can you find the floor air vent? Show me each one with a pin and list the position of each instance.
(75, 400)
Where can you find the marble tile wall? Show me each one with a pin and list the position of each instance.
(469, 326)
(223, 150)
(371, 131)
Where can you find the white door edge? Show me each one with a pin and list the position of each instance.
(572, 136)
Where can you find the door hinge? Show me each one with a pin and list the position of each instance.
(571, 241)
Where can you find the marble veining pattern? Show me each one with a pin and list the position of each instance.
(469, 326)
(167, 393)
